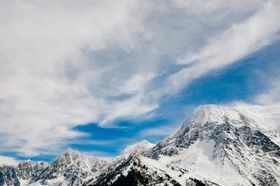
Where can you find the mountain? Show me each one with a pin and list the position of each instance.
(71, 168)
(224, 146)
(217, 145)
(19, 175)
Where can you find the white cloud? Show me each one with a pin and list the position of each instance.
(272, 95)
(267, 116)
(269, 105)
(6, 160)
(65, 63)
(48, 82)
(264, 107)
(162, 131)
(233, 44)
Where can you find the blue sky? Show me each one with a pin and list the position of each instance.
(100, 75)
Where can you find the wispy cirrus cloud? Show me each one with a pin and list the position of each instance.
(68, 63)
(236, 42)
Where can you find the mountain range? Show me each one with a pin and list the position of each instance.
(217, 145)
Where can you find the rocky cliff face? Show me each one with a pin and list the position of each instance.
(218, 145)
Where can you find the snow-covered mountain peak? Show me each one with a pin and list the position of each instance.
(229, 141)
(136, 148)
(215, 114)
(219, 114)
(69, 156)
(71, 152)
(223, 124)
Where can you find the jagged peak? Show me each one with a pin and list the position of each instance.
(71, 151)
(70, 154)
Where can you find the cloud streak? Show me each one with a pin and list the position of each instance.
(236, 42)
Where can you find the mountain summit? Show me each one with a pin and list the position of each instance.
(221, 144)
(217, 145)
(218, 115)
